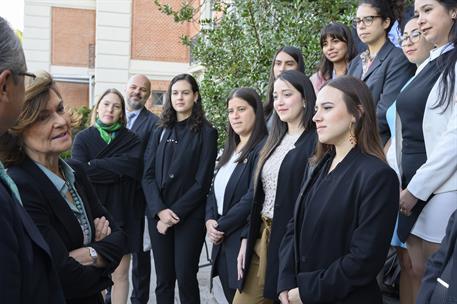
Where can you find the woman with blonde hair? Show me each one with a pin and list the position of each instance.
(112, 155)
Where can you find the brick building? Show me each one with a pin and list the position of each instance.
(91, 45)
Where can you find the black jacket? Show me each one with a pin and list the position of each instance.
(387, 74)
(237, 205)
(115, 171)
(436, 264)
(338, 239)
(27, 272)
(144, 125)
(61, 230)
(289, 181)
(185, 187)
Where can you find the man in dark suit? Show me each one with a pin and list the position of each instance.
(27, 273)
(142, 122)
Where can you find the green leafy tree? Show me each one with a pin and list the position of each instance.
(237, 47)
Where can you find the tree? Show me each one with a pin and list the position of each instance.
(236, 47)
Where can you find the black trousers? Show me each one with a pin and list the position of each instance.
(141, 275)
(141, 272)
(176, 257)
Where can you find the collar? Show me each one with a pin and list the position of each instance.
(58, 182)
(137, 112)
(435, 53)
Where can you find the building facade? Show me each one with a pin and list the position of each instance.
(92, 45)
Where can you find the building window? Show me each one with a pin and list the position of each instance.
(158, 98)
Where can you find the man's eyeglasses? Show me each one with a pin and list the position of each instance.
(27, 74)
(413, 37)
(367, 20)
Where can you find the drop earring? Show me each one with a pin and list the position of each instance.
(352, 138)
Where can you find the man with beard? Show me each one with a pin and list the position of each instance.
(142, 122)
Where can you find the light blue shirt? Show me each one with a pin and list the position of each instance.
(77, 206)
(131, 121)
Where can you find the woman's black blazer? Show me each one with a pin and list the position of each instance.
(61, 230)
(237, 205)
(333, 250)
(185, 187)
(289, 181)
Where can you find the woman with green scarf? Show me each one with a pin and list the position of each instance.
(112, 154)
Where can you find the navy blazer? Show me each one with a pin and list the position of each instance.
(334, 248)
(387, 74)
(289, 181)
(237, 204)
(27, 273)
(61, 230)
(144, 125)
(436, 264)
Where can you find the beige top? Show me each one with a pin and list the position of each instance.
(270, 172)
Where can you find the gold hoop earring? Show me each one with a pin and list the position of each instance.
(352, 138)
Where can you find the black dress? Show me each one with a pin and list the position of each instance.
(115, 172)
(410, 107)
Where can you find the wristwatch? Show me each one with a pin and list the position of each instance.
(93, 255)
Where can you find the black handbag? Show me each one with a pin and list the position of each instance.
(389, 277)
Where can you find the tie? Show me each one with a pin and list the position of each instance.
(10, 183)
(130, 117)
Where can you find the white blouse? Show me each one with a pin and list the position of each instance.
(270, 172)
(221, 180)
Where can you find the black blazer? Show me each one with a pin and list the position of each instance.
(27, 273)
(61, 230)
(334, 249)
(185, 188)
(436, 264)
(289, 181)
(387, 74)
(237, 204)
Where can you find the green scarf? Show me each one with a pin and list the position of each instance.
(107, 132)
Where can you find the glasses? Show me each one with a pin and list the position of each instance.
(27, 74)
(413, 38)
(367, 20)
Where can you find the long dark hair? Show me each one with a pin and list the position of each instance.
(341, 32)
(447, 84)
(278, 129)
(297, 55)
(197, 118)
(258, 132)
(359, 102)
(386, 9)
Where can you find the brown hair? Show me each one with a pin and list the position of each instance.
(359, 102)
(37, 94)
(93, 115)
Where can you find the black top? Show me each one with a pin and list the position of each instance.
(339, 236)
(115, 172)
(180, 181)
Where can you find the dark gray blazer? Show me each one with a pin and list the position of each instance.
(144, 125)
(386, 76)
(436, 264)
